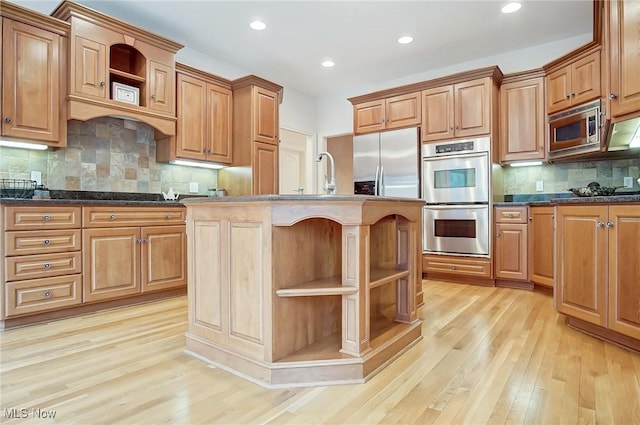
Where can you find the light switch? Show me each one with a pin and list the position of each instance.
(539, 186)
(193, 187)
(37, 176)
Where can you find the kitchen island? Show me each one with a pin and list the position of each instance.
(303, 290)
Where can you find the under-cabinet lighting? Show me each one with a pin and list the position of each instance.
(635, 140)
(511, 7)
(196, 164)
(22, 145)
(526, 164)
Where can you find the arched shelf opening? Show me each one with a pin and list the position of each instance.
(127, 74)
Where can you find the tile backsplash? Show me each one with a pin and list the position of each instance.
(559, 177)
(105, 154)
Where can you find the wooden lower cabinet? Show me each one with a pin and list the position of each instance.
(511, 245)
(542, 245)
(457, 266)
(598, 278)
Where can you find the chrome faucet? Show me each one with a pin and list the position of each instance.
(330, 187)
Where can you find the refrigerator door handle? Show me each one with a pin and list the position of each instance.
(381, 180)
(376, 185)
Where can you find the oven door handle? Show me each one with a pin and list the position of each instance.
(455, 156)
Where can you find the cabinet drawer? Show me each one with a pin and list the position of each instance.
(33, 218)
(45, 265)
(461, 266)
(44, 242)
(118, 217)
(511, 215)
(38, 295)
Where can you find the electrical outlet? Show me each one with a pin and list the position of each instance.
(193, 187)
(539, 186)
(37, 176)
(628, 182)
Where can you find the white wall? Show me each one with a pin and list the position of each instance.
(335, 113)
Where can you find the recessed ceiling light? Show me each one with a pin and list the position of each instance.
(511, 7)
(258, 25)
(405, 39)
(328, 63)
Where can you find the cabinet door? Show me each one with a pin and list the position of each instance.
(541, 245)
(522, 120)
(472, 102)
(625, 56)
(31, 82)
(265, 114)
(164, 259)
(437, 114)
(585, 79)
(264, 169)
(219, 120)
(111, 260)
(624, 269)
(192, 115)
(511, 251)
(90, 71)
(161, 88)
(403, 111)
(559, 90)
(369, 116)
(582, 263)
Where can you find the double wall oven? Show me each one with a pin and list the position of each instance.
(455, 187)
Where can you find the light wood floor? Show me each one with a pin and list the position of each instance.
(489, 356)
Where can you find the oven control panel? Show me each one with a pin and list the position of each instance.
(455, 147)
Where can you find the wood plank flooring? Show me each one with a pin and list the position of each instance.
(489, 356)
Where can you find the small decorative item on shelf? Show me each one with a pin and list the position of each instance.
(126, 94)
(170, 195)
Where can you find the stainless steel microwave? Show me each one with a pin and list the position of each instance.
(575, 131)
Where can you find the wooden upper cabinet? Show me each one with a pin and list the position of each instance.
(33, 82)
(624, 57)
(385, 114)
(204, 105)
(522, 120)
(575, 83)
(104, 51)
(265, 112)
(264, 166)
(458, 110)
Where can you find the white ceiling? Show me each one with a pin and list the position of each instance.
(360, 36)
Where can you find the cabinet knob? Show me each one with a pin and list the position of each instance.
(168, 216)
(540, 148)
(600, 223)
(47, 241)
(457, 127)
(102, 83)
(573, 95)
(609, 224)
(567, 95)
(7, 120)
(153, 96)
(613, 96)
(530, 218)
(47, 266)
(47, 294)
(145, 240)
(47, 218)
(453, 267)
(497, 234)
(451, 128)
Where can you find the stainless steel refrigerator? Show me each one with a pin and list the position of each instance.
(387, 163)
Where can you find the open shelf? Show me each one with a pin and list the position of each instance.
(327, 348)
(320, 287)
(379, 276)
(126, 77)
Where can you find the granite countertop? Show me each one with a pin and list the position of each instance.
(560, 199)
(302, 198)
(68, 197)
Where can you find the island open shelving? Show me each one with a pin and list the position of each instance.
(303, 290)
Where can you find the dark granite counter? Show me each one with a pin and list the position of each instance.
(301, 198)
(70, 197)
(562, 198)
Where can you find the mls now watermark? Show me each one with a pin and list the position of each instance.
(23, 413)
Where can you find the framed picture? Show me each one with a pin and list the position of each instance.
(126, 94)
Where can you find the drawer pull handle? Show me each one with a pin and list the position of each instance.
(47, 218)
(47, 266)
(47, 241)
(138, 240)
(47, 294)
(112, 217)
